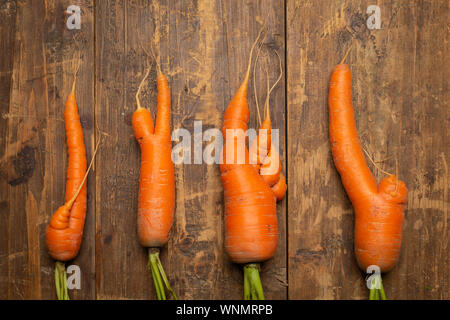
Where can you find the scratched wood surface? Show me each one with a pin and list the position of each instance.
(204, 49)
(401, 103)
(38, 75)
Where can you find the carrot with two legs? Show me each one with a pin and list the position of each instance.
(251, 227)
(379, 209)
(65, 231)
(156, 200)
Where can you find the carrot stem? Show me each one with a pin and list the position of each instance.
(164, 277)
(57, 284)
(377, 290)
(158, 294)
(156, 276)
(373, 289)
(61, 281)
(252, 282)
(159, 276)
(247, 293)
(254, 294)
(372, 294)
(382, 293)
(157, 284)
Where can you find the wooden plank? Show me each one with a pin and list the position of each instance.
(35, 147)
(214, 40)
(120, 262)
(400, 95)
(7, 29)
(204, 49)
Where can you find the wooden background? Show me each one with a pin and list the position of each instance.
(401, 98)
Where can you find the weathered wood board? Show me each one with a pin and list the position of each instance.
(197, 43)
(401, 99)
(39, 75)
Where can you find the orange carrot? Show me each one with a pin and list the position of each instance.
(268, 162)
(65, 231)
(156, 202)
(378, 209)
(251, 228)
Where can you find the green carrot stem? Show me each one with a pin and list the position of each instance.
(155, 280)
(372, 294)
(382, 293)
(247, 293)
(254, 287)
(64, 286)
(66, 292)
(159, 282)
(376, 289)
(159, 276)
(254, 294)
(57, 282)
(373, 289)
(156, 276)
(61, 281)
(164, 277)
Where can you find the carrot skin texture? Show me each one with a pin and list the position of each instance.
(65, 231)
(280, 188)
(250, 216)
(261, 145)
(379, 210)
(163, 105)
(251, 227)
(156, 200)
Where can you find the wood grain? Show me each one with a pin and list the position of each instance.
(8, 11)
(400, 95)
(42, 56)
(196, 43)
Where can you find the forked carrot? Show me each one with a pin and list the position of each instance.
(267, 159)
(251, 228)
(156, 202)
(378, 209)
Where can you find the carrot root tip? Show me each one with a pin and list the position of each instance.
(253, 289)
(159, 276)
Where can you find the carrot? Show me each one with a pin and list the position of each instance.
(65, 231)
(268, 160)
(156, 201)
(379, 210)
(251, 228)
